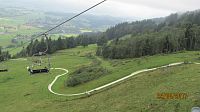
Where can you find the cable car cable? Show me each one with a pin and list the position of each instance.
(46, 32)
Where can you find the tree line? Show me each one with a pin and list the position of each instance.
(61, 43)
(172, 39)
(152, 25)
(4, 55)
(173, 33)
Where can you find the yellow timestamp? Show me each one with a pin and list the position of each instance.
(172, 96)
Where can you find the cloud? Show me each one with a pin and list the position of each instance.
(121, 8)
(130, 8)
(135, 10)
(174, 5)
(117, 8)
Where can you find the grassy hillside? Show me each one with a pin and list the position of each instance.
(21, 92)
(139, 94)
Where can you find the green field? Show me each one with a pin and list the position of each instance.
(16, 26)
(21, 92)
(5, 40)
(56, 36)
(12, 26)
(85, 30)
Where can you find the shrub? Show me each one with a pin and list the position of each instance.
(85, 74)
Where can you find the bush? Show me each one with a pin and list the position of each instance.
(85, 74)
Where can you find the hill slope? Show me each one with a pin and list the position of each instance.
(21, 92)
(175, 33)
(139, 94)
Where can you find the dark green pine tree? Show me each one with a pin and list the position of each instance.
(84, 41)
(189, 37)
(60, 44)
(102, 40)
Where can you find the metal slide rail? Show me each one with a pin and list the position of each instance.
(109, 84)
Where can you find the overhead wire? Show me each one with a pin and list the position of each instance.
(51, 29)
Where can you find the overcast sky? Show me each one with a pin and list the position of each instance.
(121, 8)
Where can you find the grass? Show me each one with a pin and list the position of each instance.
(18, 27)
(85, 30)
(25, 90)
(10, 22)
(5, 40)
(139, 94)
(21, 92)
(121, 68)
(87, 73)
(56, 36)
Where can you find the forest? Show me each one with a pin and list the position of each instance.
(168, 41)
(177, 32)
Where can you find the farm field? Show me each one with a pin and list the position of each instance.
(21, 92)
(10, 27)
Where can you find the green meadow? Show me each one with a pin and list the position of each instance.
(21, 92)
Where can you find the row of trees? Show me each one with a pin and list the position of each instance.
(173, 33)
(162, 35)
(133, 28)
(60, 44)
(153, 25)
(166, 41)
(4, 55)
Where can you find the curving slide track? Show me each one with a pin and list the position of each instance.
(107, 85)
